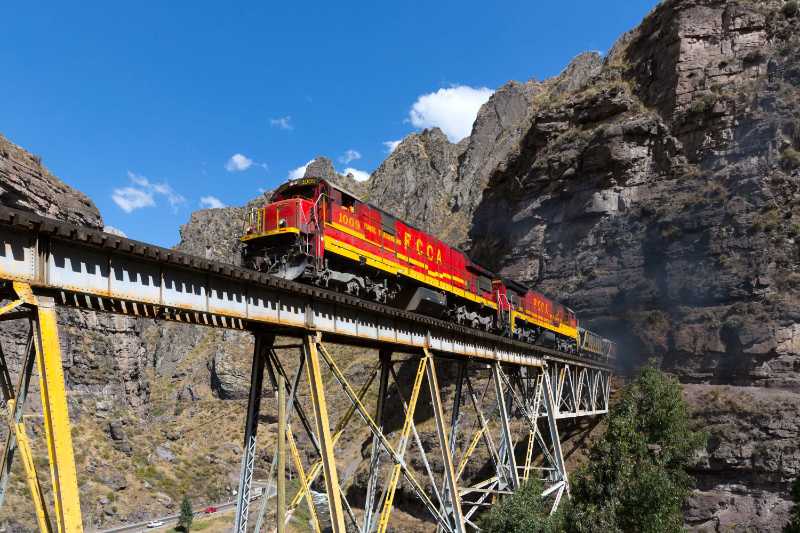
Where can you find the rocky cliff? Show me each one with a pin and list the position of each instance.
(659, 201)
(26, 184)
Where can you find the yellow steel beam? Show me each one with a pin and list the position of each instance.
(401, 447)
(24, 447)
(324, 433)
(441, 430)
(376, 431)
(301, 474)
(56, 419)
(316, 468)
(487, 435)
(11, 306)
(529, 455)
(470, 449)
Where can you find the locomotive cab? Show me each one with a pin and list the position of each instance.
(282, 237)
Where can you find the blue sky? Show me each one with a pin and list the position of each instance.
(151, 107)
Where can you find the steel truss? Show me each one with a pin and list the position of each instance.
(494, 427)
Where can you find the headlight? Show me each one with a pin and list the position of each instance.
(282, 223)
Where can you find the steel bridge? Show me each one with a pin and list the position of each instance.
(513, 393)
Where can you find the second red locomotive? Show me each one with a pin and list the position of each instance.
(316, 232)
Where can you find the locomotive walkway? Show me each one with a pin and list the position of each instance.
(45, 263)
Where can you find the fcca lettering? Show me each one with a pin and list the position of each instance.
(423, 249)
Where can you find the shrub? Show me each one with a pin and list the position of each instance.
(790, 9)
(186, 517)
(636, 478)
(524, 512)
(791, 158)
(702, 104)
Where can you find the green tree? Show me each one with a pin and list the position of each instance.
(794, 516)
(186, 516)
(525, 512)
(636, 478)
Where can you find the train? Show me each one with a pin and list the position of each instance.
(313, 231)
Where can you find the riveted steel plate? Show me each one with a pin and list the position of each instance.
(135, 280)
(78, 269)
(17, 255)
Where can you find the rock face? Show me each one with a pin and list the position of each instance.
(416, 181)
(659, 202)
(437, 185)
(214, 233)
(26, 184)
(322, 167)
(752, 449)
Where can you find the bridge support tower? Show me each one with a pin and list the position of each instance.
(489, 418)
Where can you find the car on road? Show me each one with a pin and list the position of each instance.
(210, 509)
(155, 523)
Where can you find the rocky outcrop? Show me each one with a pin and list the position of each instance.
(752, 452)
(214, 233)
(26, 184)
(437, 185)
(322, 167)
(416, 181)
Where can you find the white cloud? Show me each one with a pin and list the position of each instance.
(172, 197)
(299, 172)
(284, 123)
(238, 163)
(211, 202)
(453, 110)
(138, 179)
(114, 231)
(391, 146)
(130, 199)
(358, 175)
(350, 155)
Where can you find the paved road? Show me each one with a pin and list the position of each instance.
(169, 521)
(172, 520)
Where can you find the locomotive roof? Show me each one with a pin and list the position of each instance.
(314, 181)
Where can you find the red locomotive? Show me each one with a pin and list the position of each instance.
(316, 232)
